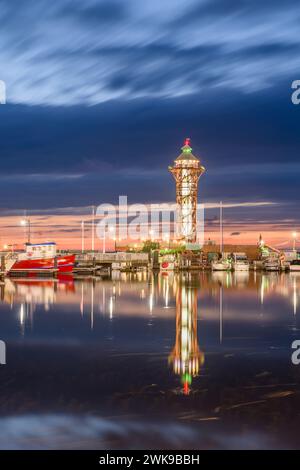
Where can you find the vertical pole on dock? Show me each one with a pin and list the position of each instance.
(27, 227)
(55, 266)
(93, 229)
(294, 241)
(103, 247)
(3, 263)
(221, 228)
(82, 236)
(29, 231)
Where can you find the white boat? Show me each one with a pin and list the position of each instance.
(221, 265)
(271, 264)
(39, 257)
(295, 265)
(241, 262)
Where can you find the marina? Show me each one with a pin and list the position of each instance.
(182, 247)
(97, 263)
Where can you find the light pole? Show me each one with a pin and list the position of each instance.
(221, 229)
(93, 229)
(112, 231)
(166, 239)
(294, 240)
(82, 236)
(103, 246)
(26, 223)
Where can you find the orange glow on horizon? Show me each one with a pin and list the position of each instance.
(65, 230)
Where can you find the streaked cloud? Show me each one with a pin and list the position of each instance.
(101, 94)
(125, 50)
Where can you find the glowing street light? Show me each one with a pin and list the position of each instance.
(112, 232)
(294, 235)
(10, 246)
(26, 223)
(82, 236)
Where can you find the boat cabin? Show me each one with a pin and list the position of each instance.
(41, 250)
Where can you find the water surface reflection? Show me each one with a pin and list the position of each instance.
(205, 354)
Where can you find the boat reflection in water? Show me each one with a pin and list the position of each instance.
(117, 350)
(186, 357)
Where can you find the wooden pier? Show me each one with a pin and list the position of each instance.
(104, 263)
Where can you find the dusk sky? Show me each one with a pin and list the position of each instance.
(101, 94)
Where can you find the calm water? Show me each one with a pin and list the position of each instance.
(144, 361)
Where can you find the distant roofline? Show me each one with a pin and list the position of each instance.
(40, 244)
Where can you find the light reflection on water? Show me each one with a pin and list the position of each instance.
(195, 347)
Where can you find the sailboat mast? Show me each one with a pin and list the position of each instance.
(221, 228)
(93, 229)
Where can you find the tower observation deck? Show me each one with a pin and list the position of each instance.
(187, 171)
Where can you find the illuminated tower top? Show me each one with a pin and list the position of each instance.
(187, 171)
(187, 157)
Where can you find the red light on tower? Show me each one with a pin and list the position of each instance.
(186, 388)
(187, 141)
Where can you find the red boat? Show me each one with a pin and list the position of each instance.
(40, 257)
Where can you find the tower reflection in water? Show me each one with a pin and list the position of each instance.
(186, 356)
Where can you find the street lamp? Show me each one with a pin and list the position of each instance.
(26, 223)
(113, 232)
(93, 229)
(82, 236)
(166, 238)
(294, 234)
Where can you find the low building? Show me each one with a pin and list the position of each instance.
(252, 251)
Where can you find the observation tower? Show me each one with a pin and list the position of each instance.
(187, 171)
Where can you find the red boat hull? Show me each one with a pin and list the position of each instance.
(65, 264)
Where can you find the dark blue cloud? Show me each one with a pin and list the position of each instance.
(86, 53)
(102, 93)
(214, 9)
(110, 11)
(226, 128)
(77, 156)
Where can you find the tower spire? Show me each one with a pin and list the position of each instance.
(187, 146)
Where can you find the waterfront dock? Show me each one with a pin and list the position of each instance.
(100, 263)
